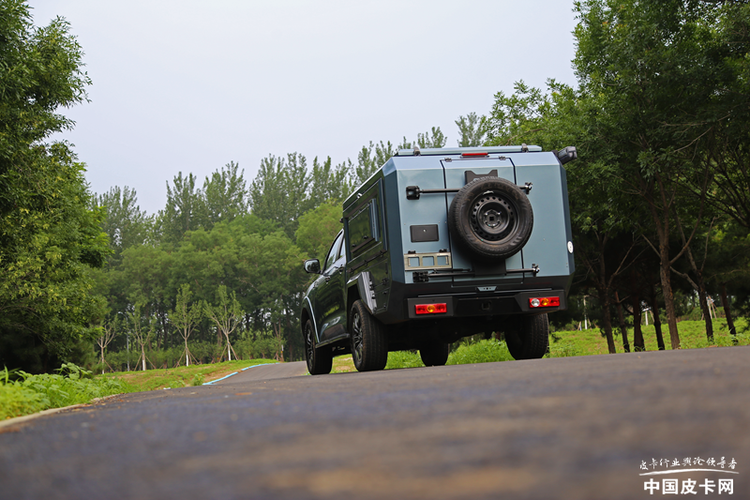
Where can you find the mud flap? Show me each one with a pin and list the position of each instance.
(366, 291)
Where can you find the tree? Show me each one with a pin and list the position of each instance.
(649, 68)
(328, 182)
(472, 129)
(279, 190)
(224, 196)
(226, 314)
(141, 333)
(370, 159)
(108, 334)
(317, 228)
(124, 223)
(183, 209)
(185, 316)
(49, 230)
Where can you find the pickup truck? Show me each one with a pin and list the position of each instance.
(439, 244)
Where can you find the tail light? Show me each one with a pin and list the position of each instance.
(431, 308)
(536, 302)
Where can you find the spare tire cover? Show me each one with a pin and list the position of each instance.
(490, 218)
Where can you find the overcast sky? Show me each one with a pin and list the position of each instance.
(183, 85)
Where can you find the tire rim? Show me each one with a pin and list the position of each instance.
(357, 343)
(493, 217)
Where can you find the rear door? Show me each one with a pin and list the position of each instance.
(458, 173)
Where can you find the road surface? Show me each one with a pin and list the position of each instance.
(568, 428)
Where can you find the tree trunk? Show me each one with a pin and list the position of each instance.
(657, 319)
(728, 312)
(638, 343)
(665, 264)
(623, 326)
(705, 310)
(666, 286)
(607, 320)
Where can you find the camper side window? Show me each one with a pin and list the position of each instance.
(363, 227)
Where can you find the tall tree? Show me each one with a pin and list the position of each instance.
(472, 130)
(328, 182)
(279, 190)
(49, 230)
(125, 223)
(649, 67)
(370, 158)
(224, 195)
(183, 209)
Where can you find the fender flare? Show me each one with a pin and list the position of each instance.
(310, 312)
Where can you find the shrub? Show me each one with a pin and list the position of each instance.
(484, 351)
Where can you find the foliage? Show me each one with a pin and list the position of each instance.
(484, 351)
(72, 385)
(318, 228)
(49, 232)
(403, 359)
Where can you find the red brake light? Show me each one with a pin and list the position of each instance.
(475, 154)
(431, 308)
(535, 302)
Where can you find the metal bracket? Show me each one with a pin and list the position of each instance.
(425, 276)
(414, 192)
(420, 277)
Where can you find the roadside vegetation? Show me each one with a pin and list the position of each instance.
(23, 394)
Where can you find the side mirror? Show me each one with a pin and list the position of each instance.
(312, 266)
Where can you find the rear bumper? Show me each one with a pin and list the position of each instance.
(459, 306)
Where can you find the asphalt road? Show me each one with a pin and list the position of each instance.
(572, 428)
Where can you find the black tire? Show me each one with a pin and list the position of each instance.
(369, 339)
(319, 360)
(491, 218)
(528, 337)
(435, 353)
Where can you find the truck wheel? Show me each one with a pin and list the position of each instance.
(435, 353)
(369, 339)
(528, 338)
(319, 361)
(491, 218)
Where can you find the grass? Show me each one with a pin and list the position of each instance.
(74, 385)
(569, 343)
(33, 393)
(692, 336)
(182, 376)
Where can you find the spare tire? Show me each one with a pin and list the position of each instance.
(491, 218)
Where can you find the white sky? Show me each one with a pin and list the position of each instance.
(186, 85)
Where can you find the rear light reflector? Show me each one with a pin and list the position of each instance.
(431, 308)
(544, 302)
